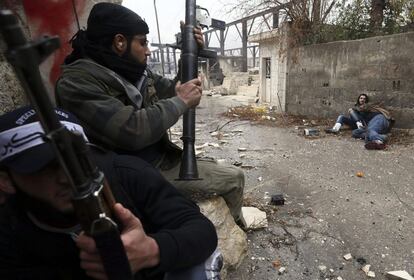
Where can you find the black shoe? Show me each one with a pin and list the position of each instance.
(375, 145)
(331, 131)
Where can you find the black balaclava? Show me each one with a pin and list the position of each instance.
(104, 22)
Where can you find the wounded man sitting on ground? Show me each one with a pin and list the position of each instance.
(368, 122)
(164, 234)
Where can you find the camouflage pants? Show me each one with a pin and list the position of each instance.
(217, 179)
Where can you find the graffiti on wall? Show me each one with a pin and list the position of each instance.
(54, 17)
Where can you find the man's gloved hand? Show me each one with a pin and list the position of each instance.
(189, 92)
(142, 250)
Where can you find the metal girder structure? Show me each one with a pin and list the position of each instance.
(165, 49)
(236, 53)
(246, 29)
(241, 53)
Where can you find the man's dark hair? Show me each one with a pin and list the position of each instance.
(366, 99)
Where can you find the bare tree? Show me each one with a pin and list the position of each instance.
(306, 16)
(377, 15)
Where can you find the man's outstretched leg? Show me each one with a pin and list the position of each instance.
(376, 130)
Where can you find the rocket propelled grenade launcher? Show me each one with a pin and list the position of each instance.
(194, 15)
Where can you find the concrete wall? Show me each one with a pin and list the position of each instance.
(232, 81)
(324, 80)
(227, 66)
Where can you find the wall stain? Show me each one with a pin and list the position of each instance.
(54, 17)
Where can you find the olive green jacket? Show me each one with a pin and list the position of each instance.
(115, 113)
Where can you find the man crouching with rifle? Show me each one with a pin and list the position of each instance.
(60, 191)
(40, 236)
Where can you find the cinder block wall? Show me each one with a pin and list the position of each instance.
(324, 80)
(11, 93)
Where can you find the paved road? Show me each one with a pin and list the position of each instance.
(329, 211)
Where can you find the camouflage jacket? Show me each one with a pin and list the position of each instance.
(117, 114)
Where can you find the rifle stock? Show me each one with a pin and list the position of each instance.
(92, 197)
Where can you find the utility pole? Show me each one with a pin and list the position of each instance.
(159, 38)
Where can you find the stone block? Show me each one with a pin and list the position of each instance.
(253, 218)
(11, 93)
(399, 275)
(232, 241)
(348, 257)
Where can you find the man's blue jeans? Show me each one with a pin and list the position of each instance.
(376, 129)
(351, 120)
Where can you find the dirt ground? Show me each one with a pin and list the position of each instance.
(329, 211)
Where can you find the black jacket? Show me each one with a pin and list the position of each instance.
(185, 237)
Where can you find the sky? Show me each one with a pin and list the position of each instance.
(170, 12)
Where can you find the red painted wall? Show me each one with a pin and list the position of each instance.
(54, 17)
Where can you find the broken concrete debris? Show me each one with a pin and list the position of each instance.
(214, 133)
(371, 274)
(282, 270)
(215, 145)
(366, 268)
(212, 144)
(399, 275)
(322, 268)
(198, 147)
(269, 118)
(348, 257)
(311, 132)
(253, 218)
